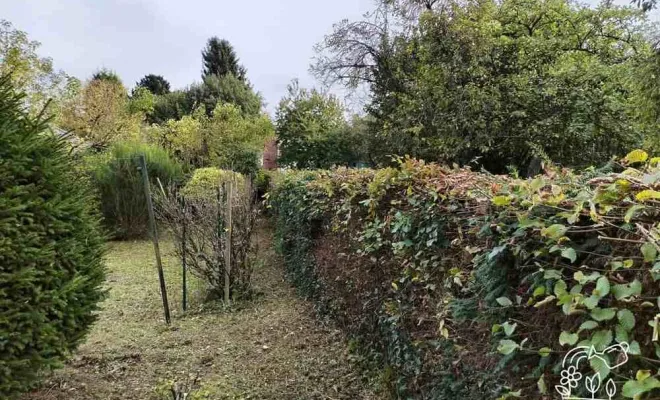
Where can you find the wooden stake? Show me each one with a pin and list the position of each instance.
(183, 255)
(228, 231)
(154, 236)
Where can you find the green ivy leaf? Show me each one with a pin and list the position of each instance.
(624, 291)
(560, 288)
(545, 351)
(504, 301)
(603, 314)
(540, 384)
(554, 232)
(588, 325)
(630, 214)
(551, 274)
(507, 346)
(569, 253)
(634, 349)
(626, 319)
(539, 291)
(602, 287)
(634, 389)
(600, 366)
(568, 338)
(650, 252)
(620, 334)
(601, 339)
(509, 328)
(591, 302)
(501, 201)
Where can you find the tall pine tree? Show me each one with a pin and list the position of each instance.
(220, 59)
(156, 84)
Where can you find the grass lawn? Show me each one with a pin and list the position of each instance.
(271, 348)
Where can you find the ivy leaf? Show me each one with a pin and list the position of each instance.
(560, 288)
(501, 201)
(602, 287)
(539, 291)
(543, 389)
(650, 252)
(630, 214)
(591, 302)
(634, 389)
(545, 351)
(648, 194)
(601, 339)
(588, 325)
(509, 328)
(568, 338)
(626, 319)
(636, 156)
(555, 231)
(504, 301)
(600, 365)
(634, 348)
(603, 314)
(621, 334)
(536, 184)
(642, 374)
(569, 253)
(551, 274)
(626, 290)
(507, 346)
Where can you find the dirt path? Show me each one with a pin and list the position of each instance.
(272, 348)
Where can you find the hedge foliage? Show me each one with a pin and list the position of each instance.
(120, 188)
(51, 249)
(465, 285)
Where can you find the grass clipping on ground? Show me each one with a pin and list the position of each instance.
(272, 348)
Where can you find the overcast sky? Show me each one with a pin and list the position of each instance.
(273, 38)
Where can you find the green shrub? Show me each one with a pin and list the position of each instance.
(205, 182)
(120, 187)
(460, 283)
(51, 249)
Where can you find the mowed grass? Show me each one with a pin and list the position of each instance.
(268, 348)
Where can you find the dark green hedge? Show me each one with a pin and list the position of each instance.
(51, 249)
(119, 184)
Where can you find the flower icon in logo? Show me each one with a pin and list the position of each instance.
(570, 377)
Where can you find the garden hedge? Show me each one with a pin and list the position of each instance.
(457, 284)
(51, 249)
(120, 188)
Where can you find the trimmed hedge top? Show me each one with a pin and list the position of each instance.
(460, 284)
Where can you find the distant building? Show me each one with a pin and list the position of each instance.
(271, 152)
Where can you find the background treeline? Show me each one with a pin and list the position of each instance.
(219, 122)
(496, 84)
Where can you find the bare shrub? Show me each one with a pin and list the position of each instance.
(199, 224)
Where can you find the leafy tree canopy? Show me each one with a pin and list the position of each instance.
(312, 130)
(32, 74)
(496, 82)
(105, 74)
(102, 114)
(156, 84)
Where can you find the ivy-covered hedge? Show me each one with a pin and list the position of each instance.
(465, 285)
